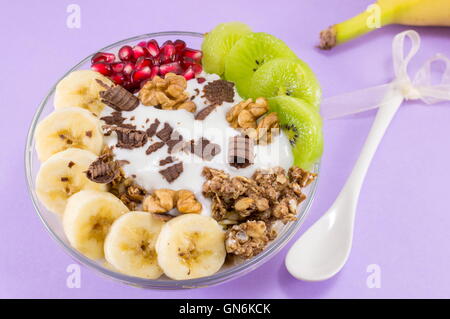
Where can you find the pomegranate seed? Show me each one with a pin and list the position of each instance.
(201, 80)
(117, 67)
(189, 73)
(173, 67)
(153, 48)
(143, 62)
(103, 57)
(195, 55)
(126, 53)
(139, 51)
(179, 45)
(141, 74)
(102, 68)
(155, 71)
(142, 44)
(118, 78)
(128, 68)
(197, 68)
(167, 52)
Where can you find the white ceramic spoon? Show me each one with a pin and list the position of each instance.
(324, 248)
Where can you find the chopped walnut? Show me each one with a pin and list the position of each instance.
(267, 127)
(130, 193)
(244, 114)
(187, 203)
(161, 201)
(247, 239)
(168, 93)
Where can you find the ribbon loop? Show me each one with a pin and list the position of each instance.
(420, 88)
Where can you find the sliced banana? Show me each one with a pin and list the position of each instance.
(81, 89)
(190, 246)
(66, 128)
(130, 244)
(63, 175)
(87, 219)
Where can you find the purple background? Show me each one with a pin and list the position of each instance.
(403, 218)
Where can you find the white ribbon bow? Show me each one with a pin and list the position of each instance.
(420, 88)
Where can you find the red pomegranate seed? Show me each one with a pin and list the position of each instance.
(117, 67)
(102, 68)
(118, 78)
(155, 71)
(192, 54)
(189, 73)
(201, 80)
(142, 44)
(153, 48)
(141, 74)
(173, 67)
(167, 52)
(128, 68)
(143, 62)
(197, 68)
(179, 45)
(139, 51)
(103, 57)
(126, 53)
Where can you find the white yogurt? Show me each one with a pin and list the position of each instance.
(215, 128)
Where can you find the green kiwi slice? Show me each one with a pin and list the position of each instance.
(218, 43)
(249, 54)
(302, 125)
(283, 76)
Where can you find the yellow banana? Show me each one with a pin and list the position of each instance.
(384, 12)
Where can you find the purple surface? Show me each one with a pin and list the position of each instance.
(403, 215)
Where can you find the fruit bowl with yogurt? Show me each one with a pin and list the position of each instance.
(155, 163)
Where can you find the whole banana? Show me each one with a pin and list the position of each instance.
(384, 12)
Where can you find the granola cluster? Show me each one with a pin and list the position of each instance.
(168, 93)
(268, 196)
(131, 194)
(252, 119)
(163, 200)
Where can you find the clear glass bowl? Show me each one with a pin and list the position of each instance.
(53, 223)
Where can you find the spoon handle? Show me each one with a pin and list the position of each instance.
(385, 114)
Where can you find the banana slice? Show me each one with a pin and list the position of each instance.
(190, 246)
(66, 128)
(63, 175)
(130, 244)
(81, 89)
(87, 219)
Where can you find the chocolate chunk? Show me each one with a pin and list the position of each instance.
(203, 113)
(71, 164)
(118, 98)
(153, 128)
(154, 147)
(172, 172)
(103, 170)
(175, 143)
(203, 148)
(167, 160)
(114, 119)
(240, 151)
(219, 91)
(165, 133)
(127, 137)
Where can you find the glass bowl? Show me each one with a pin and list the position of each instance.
(53, 223)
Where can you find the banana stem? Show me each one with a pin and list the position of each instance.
(350, 29)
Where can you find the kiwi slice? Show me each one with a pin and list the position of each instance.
(249, 54)
(302, 125)
(282, 76)
(218, 43)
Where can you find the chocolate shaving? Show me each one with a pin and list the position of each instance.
(172, 172)
(118, 97)
(203, 148)
(240, 151)
(89, 134)
(64, 179)
(167, 160)
(219, 91)
(203, 113)
(71, 164)
(154, 147)
(153, 128)
(127, 137)
(114, 119)
(165, 133)
(103, 170)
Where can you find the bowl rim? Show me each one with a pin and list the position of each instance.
(232, 272)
